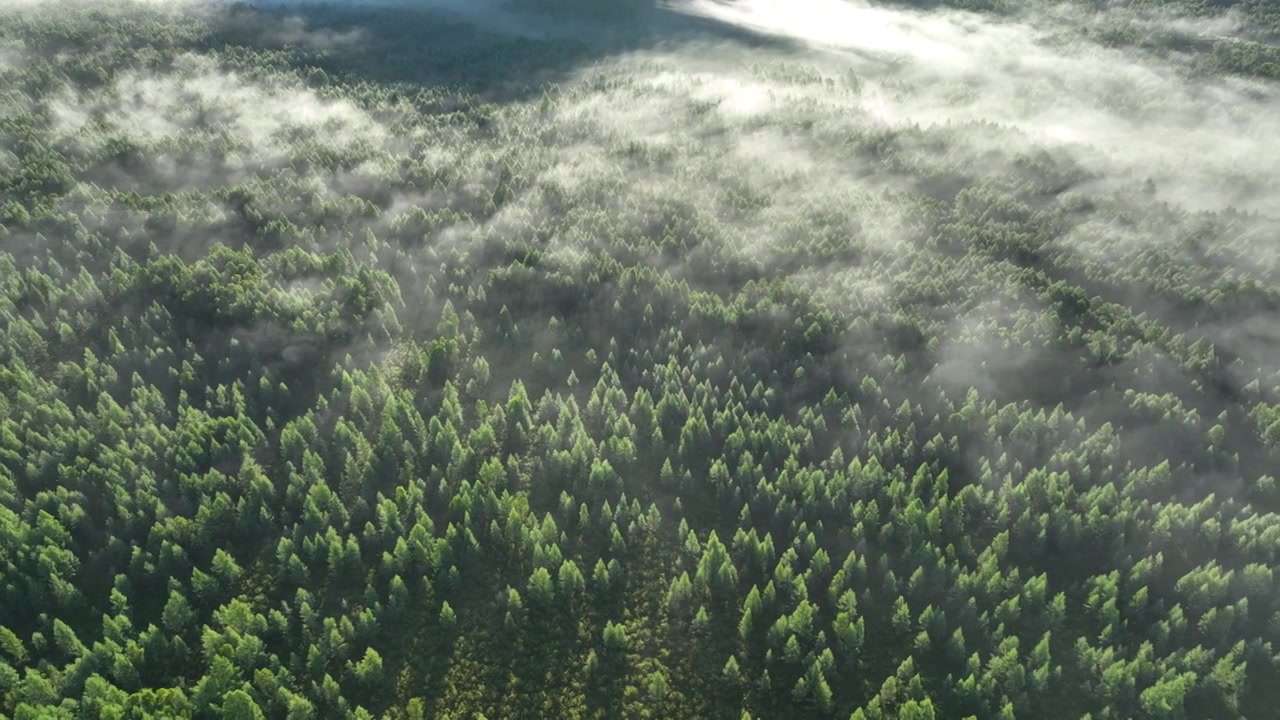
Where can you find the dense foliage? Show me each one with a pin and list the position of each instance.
(366, 403)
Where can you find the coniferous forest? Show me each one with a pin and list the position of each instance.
(612, 359)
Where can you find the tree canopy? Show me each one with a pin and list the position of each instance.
(327, 392)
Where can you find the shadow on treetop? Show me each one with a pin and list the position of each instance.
(498, 52)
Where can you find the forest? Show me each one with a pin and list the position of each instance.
(856, 359)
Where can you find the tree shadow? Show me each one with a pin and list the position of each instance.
(498, 53)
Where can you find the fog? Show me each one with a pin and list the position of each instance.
(858, 113)
(1148, 118)
(196, 95)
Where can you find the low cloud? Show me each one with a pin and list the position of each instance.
(199, 96)
(1204, 142)
(817, 161)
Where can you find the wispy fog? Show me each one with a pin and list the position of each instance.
(863, 113)
(1204, 143)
